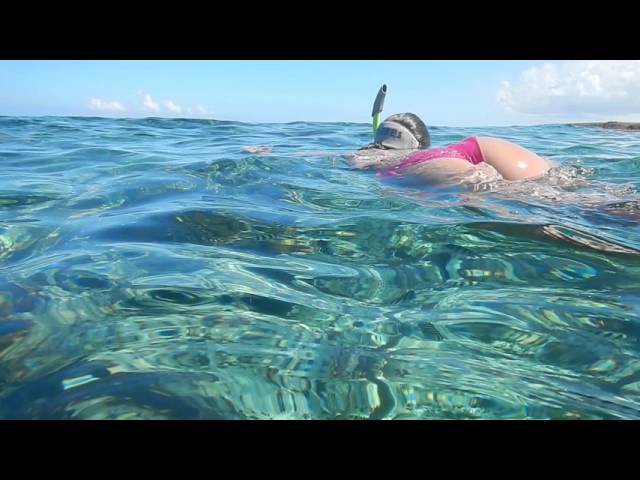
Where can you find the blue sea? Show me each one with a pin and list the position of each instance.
(155, 269)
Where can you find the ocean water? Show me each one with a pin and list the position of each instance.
(152, 269)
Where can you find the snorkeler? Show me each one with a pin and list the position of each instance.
(402, 147)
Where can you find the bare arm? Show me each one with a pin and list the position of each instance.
(375, 158)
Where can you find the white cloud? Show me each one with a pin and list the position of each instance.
(149, 104)
(575, 88)
(197, 110)
(172, 107)
(105, 105)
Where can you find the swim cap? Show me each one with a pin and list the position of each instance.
(403, 131)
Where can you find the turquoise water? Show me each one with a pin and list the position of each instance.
(152, 269)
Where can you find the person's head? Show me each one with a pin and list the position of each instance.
(402, 131)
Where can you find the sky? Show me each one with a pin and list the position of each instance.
(442, 93)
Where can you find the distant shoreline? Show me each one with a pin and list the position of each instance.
(611, 125)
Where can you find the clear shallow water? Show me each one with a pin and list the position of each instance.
(152, 269)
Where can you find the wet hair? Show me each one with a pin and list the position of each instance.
(410, 122)
(415, 125)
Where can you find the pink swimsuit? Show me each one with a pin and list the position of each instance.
(468, 149)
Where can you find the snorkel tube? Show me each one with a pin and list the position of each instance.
(378, 104)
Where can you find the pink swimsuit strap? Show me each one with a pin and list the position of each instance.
(468, 149)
